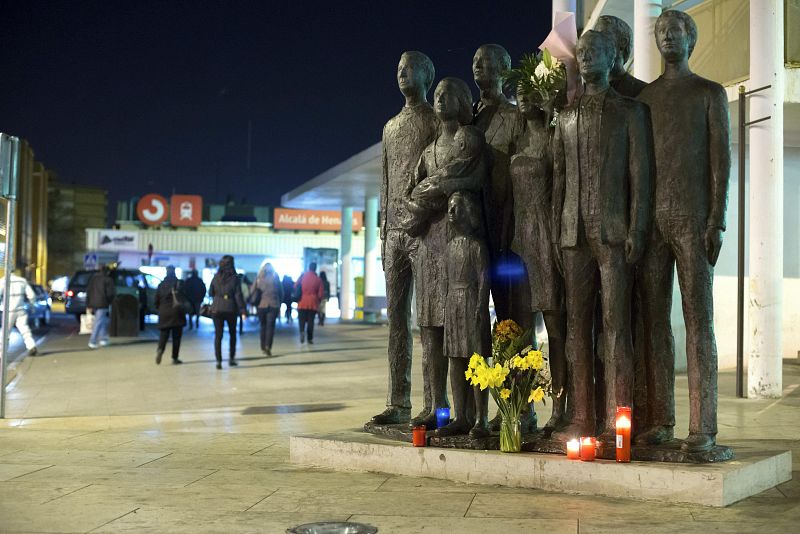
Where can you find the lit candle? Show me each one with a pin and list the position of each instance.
(418, 436)
(588, 445)
(573, 449)
(442, 417)
(623, 434)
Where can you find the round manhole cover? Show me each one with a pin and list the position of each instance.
(333, 528)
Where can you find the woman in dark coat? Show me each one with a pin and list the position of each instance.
(227, 305)
(171, 314)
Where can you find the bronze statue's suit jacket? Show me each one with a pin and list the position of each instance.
(625, 172)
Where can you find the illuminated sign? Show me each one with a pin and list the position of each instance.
(287, 219)
(152, 209)
(186, 210)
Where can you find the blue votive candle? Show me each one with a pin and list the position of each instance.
(442, 417)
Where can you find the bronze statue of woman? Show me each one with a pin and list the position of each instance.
(452, 104)
(532, 182)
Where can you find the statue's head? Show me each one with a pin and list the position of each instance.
(470, 141)
(463, 213)
(452, 100)
(619, 32)
(415, 73)
(527, 103)
(676, 35)
(595, 54)
(491, 61)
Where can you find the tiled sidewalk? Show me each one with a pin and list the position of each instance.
(106, 441)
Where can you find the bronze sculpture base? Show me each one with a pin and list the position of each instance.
(537, 442)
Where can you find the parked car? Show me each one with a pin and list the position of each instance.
(39, 308)
(126, 281)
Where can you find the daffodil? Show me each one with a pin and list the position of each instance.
(505, 393)
(536, 395)
(536, 359)
(476, 360)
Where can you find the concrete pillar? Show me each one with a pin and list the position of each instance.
(346, 252)
(765, 378)
(371, 267)
(646, 58)
(563, 5)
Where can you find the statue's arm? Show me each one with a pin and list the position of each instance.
(641, 166)
(384, 187)
(559, 183)
(471, 181)
(719, 157)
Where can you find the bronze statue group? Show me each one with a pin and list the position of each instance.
(581, 219)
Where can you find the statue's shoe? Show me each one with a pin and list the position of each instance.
(480, 430)
(393, 415)
(456, 428)
(697, 442)
(554, 423)
(608, 439)
(494, 424)
(528, 422)
(573, 431)
(426, 419)
(655, 436)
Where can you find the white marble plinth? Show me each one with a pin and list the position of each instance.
(708, 484)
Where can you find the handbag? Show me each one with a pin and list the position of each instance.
(178, 302)
(297, 292)
(205, 311)
(255, 296)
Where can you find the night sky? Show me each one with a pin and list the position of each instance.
(144, 96)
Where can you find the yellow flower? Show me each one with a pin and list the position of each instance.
(476, 360)
(535, 359)
(536, 395)
(505, 393)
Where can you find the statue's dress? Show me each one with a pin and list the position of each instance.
(532, 180)
(466, 327)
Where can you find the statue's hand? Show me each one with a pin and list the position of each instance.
(713, 241)
(634, 247)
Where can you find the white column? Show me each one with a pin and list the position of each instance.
(764, 373)
(563, 5)
(371, 267)
(646, 57)
(346, 253)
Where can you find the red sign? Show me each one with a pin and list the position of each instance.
(186, 210)
(286, 219)
(152, 209)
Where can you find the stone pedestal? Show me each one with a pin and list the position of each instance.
(718, 484)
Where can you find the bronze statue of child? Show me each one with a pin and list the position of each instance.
(462, 160)
(466, 324)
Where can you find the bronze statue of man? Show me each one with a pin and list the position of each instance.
(601, 212)
(619, 32)
(626, 85)
(691, 133)
(405, 136)
(498, 118)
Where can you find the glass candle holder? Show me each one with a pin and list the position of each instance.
(418, 438)
(442, 417)
(623, 425)
(574, 449)
(588, 446)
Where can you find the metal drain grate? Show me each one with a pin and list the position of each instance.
(335, 527)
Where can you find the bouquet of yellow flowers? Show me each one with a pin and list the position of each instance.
(513, 381)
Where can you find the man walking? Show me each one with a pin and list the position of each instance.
(99, 294)
(19, 291)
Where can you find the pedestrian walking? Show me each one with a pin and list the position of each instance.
(311, 293)
(19, 292)
(227, 305)
(195, 291)
(267, 295)
(99, 294)
(170, 303)
(288, 289)
(326, 294)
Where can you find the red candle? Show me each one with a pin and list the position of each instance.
(623, 434)
(418, 436)
(588, 445)
(573, 449)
